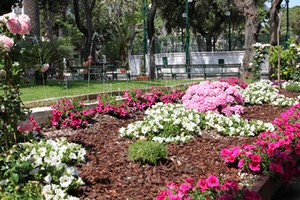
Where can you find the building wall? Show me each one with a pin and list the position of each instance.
(230, 57)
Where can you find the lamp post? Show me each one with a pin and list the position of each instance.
(145, 17)
(228, 13)
(287, 37)
(187, 37)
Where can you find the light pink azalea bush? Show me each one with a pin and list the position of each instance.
(206, 188)
(219, 97)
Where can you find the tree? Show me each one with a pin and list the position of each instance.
(31, 8)
(85, 25)
(205, 17)
(151, 35)
(274, 21)
(250, 10)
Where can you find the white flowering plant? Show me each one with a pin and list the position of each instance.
(47, 163)
(175, 123)
(260, 53)
(235, 125)
(166, 123)
(263, 92)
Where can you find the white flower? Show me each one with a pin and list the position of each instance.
(48, 178)
(42, 151)
(65, 181)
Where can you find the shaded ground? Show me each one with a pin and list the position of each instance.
(109, 174)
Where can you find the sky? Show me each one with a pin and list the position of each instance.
(292, 3)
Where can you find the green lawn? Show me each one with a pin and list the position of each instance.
(56, 88)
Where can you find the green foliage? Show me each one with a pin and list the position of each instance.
(293, 87)
(147, 152)
(289, 58)
(35, 53)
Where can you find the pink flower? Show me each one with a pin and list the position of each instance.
(256, 158)
(25, 24)
(6, 42)
(241, 163)
(13, 25)
(162, 195)
(254, 166)
(202, 185)
(185, 187)
(212, 181)
(276, 168)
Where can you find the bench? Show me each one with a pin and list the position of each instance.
(198, 70)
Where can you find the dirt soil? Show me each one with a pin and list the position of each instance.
(109, 174)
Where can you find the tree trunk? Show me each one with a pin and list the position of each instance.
(274, 21)
(208, 39)
(274, 10)
(151, 34)
(249, 8)
(31, 8)
(86, 29)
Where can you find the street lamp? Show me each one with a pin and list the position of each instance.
(145, 16)
(187, 37)
(227, 13)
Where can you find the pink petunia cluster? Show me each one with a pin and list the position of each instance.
(206, 188)
(233, 80)
(219, 97)
(246, 156)
(108, 105)
(273, 150)
(139, 100)
(65, 114)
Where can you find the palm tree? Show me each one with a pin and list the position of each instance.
(31, 8)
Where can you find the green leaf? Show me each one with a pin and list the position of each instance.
(15, 178)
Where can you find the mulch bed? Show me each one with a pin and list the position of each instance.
(109, 174)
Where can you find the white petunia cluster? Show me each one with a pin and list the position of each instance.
(166, 123)
(235, 125)
(263, 92)
(55, 192)
(51, 160)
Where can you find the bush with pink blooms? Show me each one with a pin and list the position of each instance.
(109, 105)
(219, 97)
(71, 114)
(206, 188)
(139, 100)
(272, 152)
(233, 80)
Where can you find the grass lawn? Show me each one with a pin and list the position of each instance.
(56, 88)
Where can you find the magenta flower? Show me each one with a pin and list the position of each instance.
(241, 163)
(254, 166)
(256, 158)
(202, 184)
(212, 181)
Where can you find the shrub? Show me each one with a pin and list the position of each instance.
(219, 97)
(148, 152)
(293, 87)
